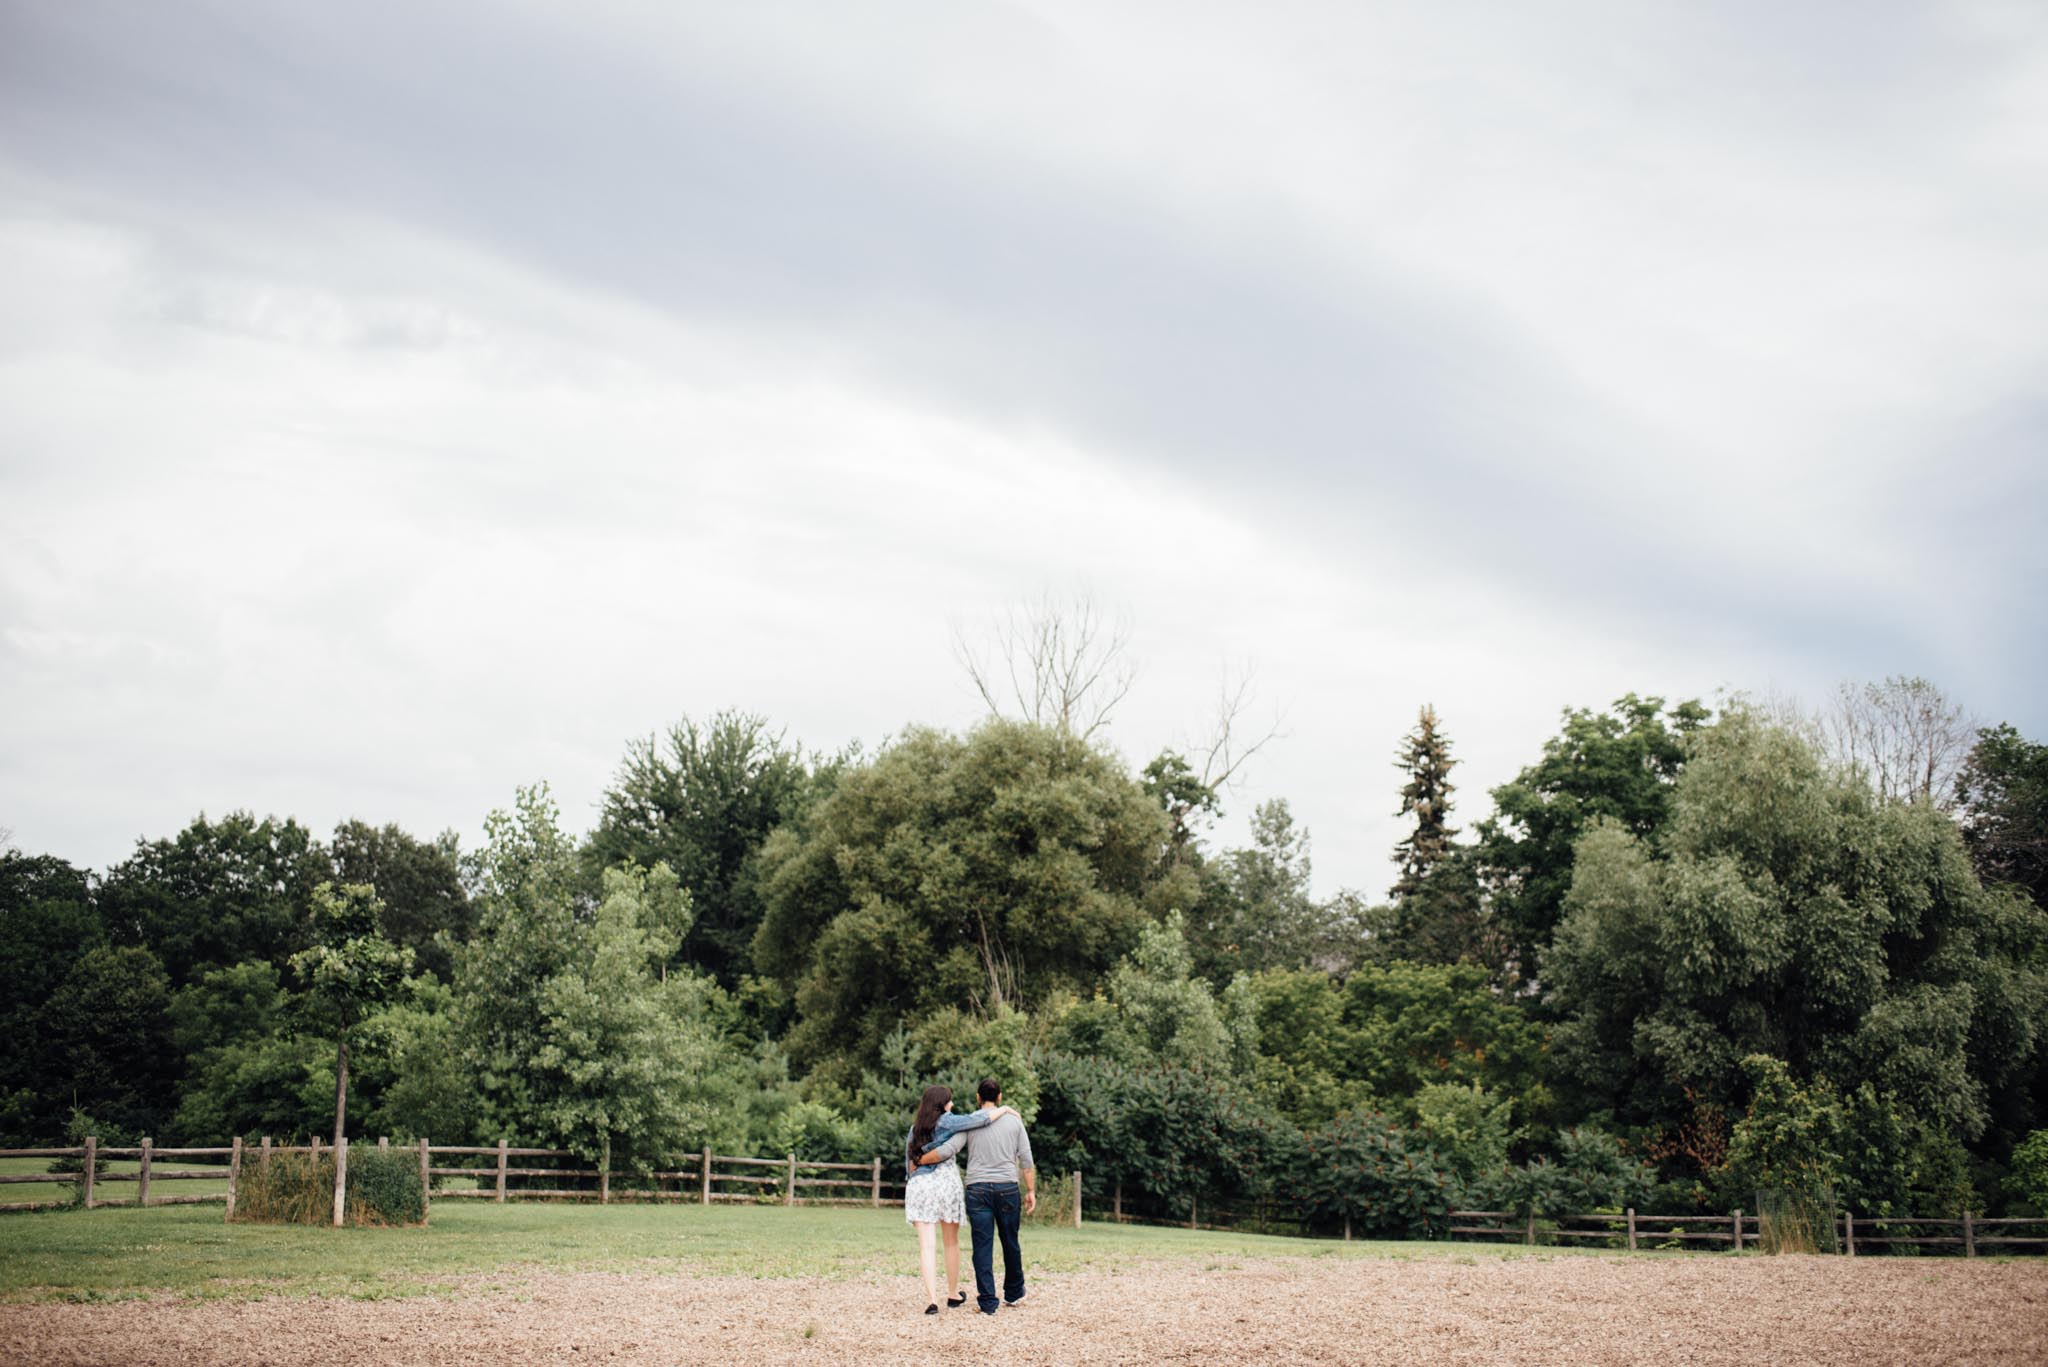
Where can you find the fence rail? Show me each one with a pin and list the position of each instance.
(1738, 1230)
(791, 1181)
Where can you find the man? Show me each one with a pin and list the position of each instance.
(998, 1157)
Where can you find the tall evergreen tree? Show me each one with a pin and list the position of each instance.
(1425, 757)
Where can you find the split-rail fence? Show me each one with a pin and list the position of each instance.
(787, 1180)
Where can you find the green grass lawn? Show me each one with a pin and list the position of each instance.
(188, 1250)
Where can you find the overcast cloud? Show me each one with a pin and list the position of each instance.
(399, 403)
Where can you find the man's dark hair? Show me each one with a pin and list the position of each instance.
(989, 1090)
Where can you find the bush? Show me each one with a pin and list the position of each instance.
(82, 1127)
(1383, 1177)
(298, 1189)
(2029, 1179)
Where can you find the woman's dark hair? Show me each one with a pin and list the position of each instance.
(930, 1107)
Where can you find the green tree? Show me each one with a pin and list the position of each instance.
(625, 1056)
(104, 1032)
(349, 970)
(218, 893)
(1257, 910)
(1619, 764)
(1154, 1011)
(247, 1068)
(2003, 793)
(1471, 1128)
(418, 883)
(1787, 911)
(47, 920)
(1425, 757)
(999, 867)
(1792, 1138)
(1371, 1173)
(701, 800)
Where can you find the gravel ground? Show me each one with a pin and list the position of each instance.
(1751, 1311)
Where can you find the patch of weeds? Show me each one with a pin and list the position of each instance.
(811, 1330)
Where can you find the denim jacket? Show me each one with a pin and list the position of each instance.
(949, 1125)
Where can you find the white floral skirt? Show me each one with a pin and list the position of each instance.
(936, 1196)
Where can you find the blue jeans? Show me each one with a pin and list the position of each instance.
(994, 1210)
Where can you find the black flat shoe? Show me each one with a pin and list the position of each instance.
(932, 1309)
(956, 1302)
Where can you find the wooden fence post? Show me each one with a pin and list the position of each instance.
(707, 1175)
(503, 1144)
(1529, 1236)
(604, 1174)
(1738, 1231)
(1969, 1235)
(340, 1179)
(1849, 1232)
(92, 1160)
(1077, 1198)
(383, 1143)
(234, 1174)
(1347, 1229)
(876, 1189)
(1116, 1206)
(263, 1163)
(142, 1178)
(1194, 1213)
(426, 1184)
(789, 1195)
(1631, 1229)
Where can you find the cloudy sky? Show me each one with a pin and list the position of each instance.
(401, 402)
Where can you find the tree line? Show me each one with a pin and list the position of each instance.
(1685, 956)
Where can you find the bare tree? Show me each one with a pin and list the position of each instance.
(1230, 744)
(1057, 662)
(1903, 735)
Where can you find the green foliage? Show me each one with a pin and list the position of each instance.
(1385, 1178)
(1169, 1135)
(105, 1033)
(350, 968)
(47, 920)
(383, 1187)
(418, 885)
(218, 893)
(1786, 912)
(2003, 793)
(999, 867)
(1257, 912)
(1471, 1129)
(1619, 765)
(246, 1070)
(81, 1127)
(1426, 758)
(1791, 1139)
(702, 800)
(2029, 1178)
(1595, 1172)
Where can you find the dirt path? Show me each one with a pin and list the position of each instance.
(1558, 1310)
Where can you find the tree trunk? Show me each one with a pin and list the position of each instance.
(340, 1122)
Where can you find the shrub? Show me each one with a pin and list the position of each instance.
(298, 1189)
(1383, 1177)
(2029, 1179)
(82, 1127)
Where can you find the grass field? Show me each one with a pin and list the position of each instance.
(103, 1254)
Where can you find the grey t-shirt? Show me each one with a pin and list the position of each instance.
(998, 1152)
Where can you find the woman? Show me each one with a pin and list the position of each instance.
(933, 1199)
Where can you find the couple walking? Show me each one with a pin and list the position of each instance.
(935, 1200)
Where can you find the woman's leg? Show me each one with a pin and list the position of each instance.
(950, 1230)
(928, 1253)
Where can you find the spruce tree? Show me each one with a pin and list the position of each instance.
(1425, 756)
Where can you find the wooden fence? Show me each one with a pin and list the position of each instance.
(1737, 1230)
(787, 1180)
